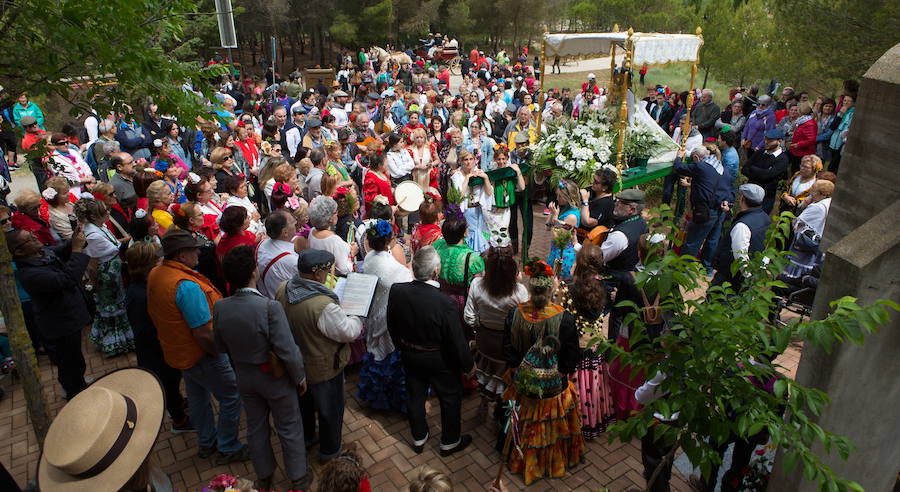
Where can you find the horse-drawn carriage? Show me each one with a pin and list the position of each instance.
(442, 55)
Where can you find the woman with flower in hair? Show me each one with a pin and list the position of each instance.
(143, 227)
(541, 347)
(283, 198)
(333, 158)
(163, 157)
(118, 216)
(381, 378)
(377, 182)
(200, 189)
(59, 207)
(189, 217)
(170, 177)
(478, 193)
(564, 219)
(347, 207)
(428, 230)
(111, 331)
(425, 159)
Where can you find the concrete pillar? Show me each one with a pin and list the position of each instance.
(862, 235)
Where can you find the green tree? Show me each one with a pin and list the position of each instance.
(737, 46)
(716, 344)
(66, 49)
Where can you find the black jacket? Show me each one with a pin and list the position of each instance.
(54, 283)
(420, 315)
(766, 170)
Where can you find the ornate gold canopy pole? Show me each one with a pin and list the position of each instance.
(543, 95)
(686, 128)
(612, 62)
(623, 106)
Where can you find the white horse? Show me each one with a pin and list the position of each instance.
(395, 58)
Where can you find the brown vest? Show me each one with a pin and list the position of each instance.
(180, 348)
(323, 358)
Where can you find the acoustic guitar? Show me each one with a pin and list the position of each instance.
(595, 236)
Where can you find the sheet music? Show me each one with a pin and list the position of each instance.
(356, 292)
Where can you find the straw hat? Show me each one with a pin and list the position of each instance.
(104, 434)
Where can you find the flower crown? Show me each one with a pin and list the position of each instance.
(455, 212)
(381, 228)
(501, 146)
(537, 268)
(331, 170)
(161, 165)
(194, 178)
(140, 213)
(340, 193)
(158, 173)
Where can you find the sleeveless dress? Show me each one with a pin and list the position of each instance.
(567, 254)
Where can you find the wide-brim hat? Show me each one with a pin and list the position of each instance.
(103, 435)
(177, 239)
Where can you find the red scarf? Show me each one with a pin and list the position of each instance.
(249, 150)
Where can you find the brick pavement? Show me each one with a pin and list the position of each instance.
(381, 439)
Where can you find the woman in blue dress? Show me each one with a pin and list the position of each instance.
(564, 219)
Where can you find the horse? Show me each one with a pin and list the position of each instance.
(395, 58)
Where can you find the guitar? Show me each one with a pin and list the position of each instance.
(595, 236)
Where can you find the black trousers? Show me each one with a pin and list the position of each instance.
(69, 362)
(517, 209)
(170, 378)
(424, 369)
(652, 454)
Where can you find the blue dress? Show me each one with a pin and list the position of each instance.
(568, 254)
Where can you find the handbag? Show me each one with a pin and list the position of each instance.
(807, 241)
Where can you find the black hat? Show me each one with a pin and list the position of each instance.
(313, 260)
(178, 239)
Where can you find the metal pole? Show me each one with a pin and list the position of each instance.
(543, 93)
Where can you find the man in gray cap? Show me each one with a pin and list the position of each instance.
(761, 120)
(746, 236)
(337, 106)
(295, 133)
(323, 331)
(314, 138)
(620, 249)
(768, 167)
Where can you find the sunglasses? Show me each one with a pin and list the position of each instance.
(228, 157)
(64, 142)
(7, 220)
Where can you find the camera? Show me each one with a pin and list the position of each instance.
(73, 223)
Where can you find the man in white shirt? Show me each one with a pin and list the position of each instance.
(294, 135)
(746, 236)
(620, 249)
(338, 108)
(275, 258)
(323, 331)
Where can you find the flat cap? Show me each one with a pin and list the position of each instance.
(753, 193)
(313, 260)
(633, 195)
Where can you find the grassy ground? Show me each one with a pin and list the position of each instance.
(677, 77)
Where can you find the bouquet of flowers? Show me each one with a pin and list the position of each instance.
(641, 142)
(575, 149)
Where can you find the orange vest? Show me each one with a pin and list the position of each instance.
(180, 348)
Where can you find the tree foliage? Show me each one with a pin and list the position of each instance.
(75, 48)
(718, 345)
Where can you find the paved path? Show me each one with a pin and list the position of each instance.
(589, 65)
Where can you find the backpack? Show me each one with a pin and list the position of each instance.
(538, 374)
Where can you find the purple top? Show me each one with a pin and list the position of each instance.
(757, 124)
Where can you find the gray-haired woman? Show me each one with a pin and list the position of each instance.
(323, 217)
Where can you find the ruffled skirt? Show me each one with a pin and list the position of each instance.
(550, 438)
(111, 331)
(382, 383)
(594, 394)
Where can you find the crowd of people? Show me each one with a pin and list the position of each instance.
(212, 249)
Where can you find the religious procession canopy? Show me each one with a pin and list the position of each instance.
(649, 48)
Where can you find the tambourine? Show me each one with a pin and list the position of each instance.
(409, 196)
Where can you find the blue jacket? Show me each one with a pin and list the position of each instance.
(129, 137)
(708, 187)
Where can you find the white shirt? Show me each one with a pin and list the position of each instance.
(100, 243)
(340, 116)
(255, 225)
(482, 309)
(650, 391)
(399, 163)
(814, 215)
(337, 325)
(615, 243)
(293, 137)
(337, 247)
(283, 269)
(92, 126)
(740, 240)
(481, 197)
(389, 271)
(74, 172)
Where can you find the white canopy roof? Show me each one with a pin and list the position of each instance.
(649, 48)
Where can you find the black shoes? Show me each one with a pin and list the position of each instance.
(206, 452)
(464, 442)
(242, 454)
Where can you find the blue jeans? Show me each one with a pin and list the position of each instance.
(707, 232)
(214, 375)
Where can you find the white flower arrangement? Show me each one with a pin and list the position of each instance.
(575, 149)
